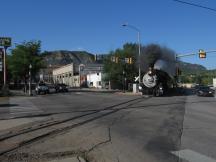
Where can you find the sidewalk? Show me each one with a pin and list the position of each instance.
(120, 92)
(52, 91)
(93, 90)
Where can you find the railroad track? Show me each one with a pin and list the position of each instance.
(41, 130)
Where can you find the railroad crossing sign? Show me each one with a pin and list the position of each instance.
(5, 41)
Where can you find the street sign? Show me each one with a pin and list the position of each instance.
(5, 41)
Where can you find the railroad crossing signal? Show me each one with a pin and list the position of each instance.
(202, 54)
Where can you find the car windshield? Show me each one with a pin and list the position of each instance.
(42, 84)
(108, 81)
(204, 88)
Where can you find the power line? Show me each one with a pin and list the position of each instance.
(196, 5)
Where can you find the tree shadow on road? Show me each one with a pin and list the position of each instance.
(8, 105)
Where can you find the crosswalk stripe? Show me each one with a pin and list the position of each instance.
(192, 156)
(23, 106)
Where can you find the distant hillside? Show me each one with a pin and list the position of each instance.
(62, 57)
(59, 58)
(191, 68)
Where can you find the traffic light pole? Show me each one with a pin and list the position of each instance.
(5, 77)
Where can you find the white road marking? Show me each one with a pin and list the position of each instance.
(192, 156)
(22, 106)
(78, 93)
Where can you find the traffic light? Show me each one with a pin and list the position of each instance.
(126, 60)
(130, 60)
(116, 59)
(178, 71)
(202, 54)
(1, 52)
(113, 58)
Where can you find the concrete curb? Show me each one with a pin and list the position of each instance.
(129, 93)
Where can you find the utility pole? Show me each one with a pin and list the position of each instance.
(139, 46)
(30, 92)
(124, 81)
(5, 42)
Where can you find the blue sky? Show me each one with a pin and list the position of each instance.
(95, 25)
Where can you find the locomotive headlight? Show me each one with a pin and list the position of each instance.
(140, 88)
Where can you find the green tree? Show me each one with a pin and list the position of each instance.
(114, 70)
(21, 57)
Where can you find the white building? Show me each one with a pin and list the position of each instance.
(65, 74)
(94, 80)
(214, 82)
(90, 75)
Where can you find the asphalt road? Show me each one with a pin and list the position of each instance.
(102, 127)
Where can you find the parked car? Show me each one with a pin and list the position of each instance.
(61, 88)
(205, 91)
(41, 88)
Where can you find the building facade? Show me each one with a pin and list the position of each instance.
(94, 80)
(65, 74)
(89, 75)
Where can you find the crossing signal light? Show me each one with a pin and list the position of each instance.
(202, 54)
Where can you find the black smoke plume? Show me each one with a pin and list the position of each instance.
(154, 52)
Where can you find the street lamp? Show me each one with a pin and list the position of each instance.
(138, 35)
(30, 67)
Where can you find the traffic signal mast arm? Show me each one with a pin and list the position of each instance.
(199, 53)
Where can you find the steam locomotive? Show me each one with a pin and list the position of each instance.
(159, 79)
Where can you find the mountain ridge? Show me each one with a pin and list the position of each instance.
(63, 57)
